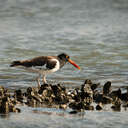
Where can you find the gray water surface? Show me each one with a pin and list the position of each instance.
(53, 118)
(93, 32)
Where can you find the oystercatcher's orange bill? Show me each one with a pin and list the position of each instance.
(73, 63)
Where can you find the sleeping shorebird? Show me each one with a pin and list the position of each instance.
(44, 65)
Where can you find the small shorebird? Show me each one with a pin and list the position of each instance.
(44, 65)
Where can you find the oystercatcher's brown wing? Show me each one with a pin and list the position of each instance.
(37, 61)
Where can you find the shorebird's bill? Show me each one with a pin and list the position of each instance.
(73, 63)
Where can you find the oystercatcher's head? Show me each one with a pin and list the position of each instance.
(66, 58)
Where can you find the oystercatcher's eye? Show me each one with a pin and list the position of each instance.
(67, 57)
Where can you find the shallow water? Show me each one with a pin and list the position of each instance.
(93, 32)
(46, 117)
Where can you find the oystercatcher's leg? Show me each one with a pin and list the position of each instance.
(38, 81)
(44, 79)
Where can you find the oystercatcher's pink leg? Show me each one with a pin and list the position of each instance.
(44, 79)
(38, 81)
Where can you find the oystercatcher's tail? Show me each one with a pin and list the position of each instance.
(15, 63)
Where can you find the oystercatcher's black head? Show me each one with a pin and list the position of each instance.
(63, 57)
(66, 58)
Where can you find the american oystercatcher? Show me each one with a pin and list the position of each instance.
(44, 65)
